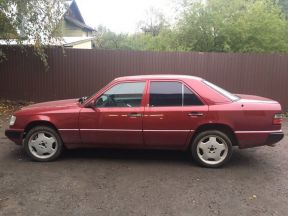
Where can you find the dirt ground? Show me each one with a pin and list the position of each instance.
(113, 182)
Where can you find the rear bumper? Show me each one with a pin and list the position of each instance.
(248, 139)
(16, 135)
(274, 138)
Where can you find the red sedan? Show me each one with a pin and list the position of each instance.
(150, 112)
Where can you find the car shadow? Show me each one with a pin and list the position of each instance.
(121, 154)
(240, 158)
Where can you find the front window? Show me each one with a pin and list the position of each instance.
(171, 93)
(222, 91)
(122, 95)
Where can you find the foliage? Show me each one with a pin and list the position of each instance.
(212, 25)
(155, 35)
(215, 25)
(143, 41)
(106, 39)
(283, 4)
(31, 22)
(8, 107)
(237, 26)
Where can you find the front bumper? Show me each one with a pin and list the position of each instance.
(16, 135)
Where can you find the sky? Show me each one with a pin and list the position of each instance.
(121, 15)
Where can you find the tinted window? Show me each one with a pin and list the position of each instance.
(165, 94)
(190, 99)
(171, 94)
(122, 95)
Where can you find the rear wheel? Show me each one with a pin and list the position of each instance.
(43, 144)
(212, 148)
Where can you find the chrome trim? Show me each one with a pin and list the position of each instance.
(125, 130)
(237, 132)
(68, 129)
(191, 114)
(168, 130)
(153, 115)
(108, 130)
(273, 131)
(134, 115)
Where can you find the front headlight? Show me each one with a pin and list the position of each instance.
(12, 120)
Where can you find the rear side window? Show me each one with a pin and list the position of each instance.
(190, 99)
(222, 91)
(165, 94)
(171, 93)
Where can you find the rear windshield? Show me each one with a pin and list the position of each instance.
(222, 91)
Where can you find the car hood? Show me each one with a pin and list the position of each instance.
(52, 105)
(58, 103)
(254, 99)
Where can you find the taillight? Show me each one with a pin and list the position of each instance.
(278, 119)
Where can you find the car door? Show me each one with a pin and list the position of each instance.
(172, 113)
(116, 118)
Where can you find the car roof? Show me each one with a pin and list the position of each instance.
(158, 76)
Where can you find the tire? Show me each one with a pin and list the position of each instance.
(43, 144)
(211, 148)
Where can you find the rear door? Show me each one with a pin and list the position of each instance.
(171, 114)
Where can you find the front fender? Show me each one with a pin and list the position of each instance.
(66, 124)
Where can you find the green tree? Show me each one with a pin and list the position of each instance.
(106, 39)
(232, 26)
(284, 6)
(164, 41)
(31, 22)
(155, 34)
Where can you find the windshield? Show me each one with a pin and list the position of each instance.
(222, 91)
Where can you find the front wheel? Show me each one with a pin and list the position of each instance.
(212, 148)
(43, 144)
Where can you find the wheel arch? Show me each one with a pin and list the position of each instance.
(36, 123)
(215, 126)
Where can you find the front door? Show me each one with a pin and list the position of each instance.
(116, 118)
(173, 111)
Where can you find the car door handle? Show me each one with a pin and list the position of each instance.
(196, 114)
(134, 115)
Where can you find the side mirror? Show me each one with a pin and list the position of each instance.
(91, 104)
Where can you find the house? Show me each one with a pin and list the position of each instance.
(72, 31)
(73, 24)
(75, 32)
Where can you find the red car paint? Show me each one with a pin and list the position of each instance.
(250, 119)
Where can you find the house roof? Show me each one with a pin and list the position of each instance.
(72, 5)
(74, 16)
(71, 41)
(77, 23)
